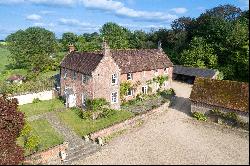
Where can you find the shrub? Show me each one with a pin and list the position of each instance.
(36, 100)
(31, 142)
(107, 113)
(200, 116)
(96, 104)
(87, 115)
(140, 97)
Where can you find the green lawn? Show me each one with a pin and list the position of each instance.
(47, 135)
(41, 107)
(83, 127)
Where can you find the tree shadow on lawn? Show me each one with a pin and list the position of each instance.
(181, 104)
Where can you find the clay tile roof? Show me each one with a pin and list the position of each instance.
(222, 93)
(192, 71)
(83, 62)
(135, 60)
(129, 60)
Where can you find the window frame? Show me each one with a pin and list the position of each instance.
(114, 97)
(84, 97)
(84, 79)
(132, 92)
(74, 75)
(116, 79)
(166, 70)
(130, 75)
(145, 88)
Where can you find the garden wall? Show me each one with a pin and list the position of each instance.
(29, 97)
(127, 123)
(48, 156)
(205, 108)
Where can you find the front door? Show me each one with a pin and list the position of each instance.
(72, 100)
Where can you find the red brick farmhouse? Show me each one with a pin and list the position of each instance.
(87, 75)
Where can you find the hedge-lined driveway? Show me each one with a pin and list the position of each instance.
(174, 137)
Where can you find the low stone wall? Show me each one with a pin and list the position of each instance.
(46, 156)
(205, 108)
(127, 123)
(29, 97)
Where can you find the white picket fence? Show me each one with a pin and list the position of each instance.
(29, 97)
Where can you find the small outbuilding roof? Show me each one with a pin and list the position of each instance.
(192, 71)
(222, 93)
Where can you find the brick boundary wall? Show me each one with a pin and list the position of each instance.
(127, 123)
(47, 155)
(205, 108)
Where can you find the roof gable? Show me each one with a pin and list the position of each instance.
(83, 62)
(222, 93)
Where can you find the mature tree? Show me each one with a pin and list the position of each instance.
(199, 54)
(89, 43)
(117, 36)
(139, 39)
(11, 124)
(68, 38)
(32, 48)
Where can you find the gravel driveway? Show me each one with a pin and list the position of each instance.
(173, 137)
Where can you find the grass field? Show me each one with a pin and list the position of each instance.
(41, 107)
(83, 127)
(48, 137)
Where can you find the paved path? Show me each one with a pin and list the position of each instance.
(173, 137)
(69, 135)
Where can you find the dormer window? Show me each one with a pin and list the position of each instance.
(114, 79)
(129, 76)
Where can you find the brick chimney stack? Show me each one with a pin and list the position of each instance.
(71, 48)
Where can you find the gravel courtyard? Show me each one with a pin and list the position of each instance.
(173, 137)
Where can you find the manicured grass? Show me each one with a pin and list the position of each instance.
(47, 135)
(41, 107)
(83, 127)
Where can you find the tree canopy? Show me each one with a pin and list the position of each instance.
(218, 38)
(32, 48)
